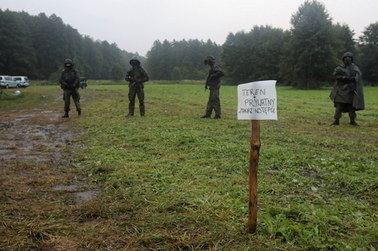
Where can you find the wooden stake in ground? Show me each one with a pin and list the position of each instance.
(253, 166)
(256, 101)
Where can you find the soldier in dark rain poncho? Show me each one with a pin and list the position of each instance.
(70, 83)
(213, 83)
(136, 77)
(347, 93)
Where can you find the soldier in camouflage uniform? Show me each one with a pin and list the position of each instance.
(213, 83)
(70, 83)
(347, 93)
(136, 77)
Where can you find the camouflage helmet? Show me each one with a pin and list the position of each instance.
(209, 60)
(134, 61)
(347, 54)
(68, 62)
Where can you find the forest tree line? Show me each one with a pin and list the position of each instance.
(303, 56)
(36, 46)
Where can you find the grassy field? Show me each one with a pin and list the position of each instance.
(173, 181)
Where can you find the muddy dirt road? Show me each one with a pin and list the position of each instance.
(38, 187)
(36, 135)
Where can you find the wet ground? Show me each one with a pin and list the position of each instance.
(43, 196)
(36, 135)
(48, 200)
(39, 137)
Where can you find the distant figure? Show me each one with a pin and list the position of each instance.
(347, 93)
(213, 83)
(70, 83)
(136, 77)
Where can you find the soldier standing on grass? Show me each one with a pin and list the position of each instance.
(347, 93)
(213, 83)
(70, 83)
(136, 77)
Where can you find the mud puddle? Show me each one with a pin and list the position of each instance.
(40, 137)
(77, 192)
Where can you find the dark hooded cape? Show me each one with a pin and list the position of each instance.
(338, 93)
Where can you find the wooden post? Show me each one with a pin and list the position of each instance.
(253, 165)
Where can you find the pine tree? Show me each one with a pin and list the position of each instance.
(309, 55)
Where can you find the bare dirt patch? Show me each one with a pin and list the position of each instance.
(38, 187)
(35, 135)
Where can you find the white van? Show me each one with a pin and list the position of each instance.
(22, 81)
(7, 82)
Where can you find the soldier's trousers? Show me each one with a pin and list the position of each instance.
(213, 103)
(133, 92)
(67, 99)
(342, 107)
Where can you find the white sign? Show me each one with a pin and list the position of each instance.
(257, 100)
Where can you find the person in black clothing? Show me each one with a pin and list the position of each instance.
(136, 77)
(70, 83)
(347, 93)
(213, 83)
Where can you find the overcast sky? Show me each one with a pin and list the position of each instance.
(135, 24)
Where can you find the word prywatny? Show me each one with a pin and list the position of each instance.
(258, 103)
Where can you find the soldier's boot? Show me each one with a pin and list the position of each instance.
(65, 115)
(131, 112)
(141, 110)
(79, 112)
(217, 116)
(205, 116)
(336, 122)
(353, 122)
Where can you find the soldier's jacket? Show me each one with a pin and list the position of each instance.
(213, 79)
(348, 87)
(69, 79)
(136, 76)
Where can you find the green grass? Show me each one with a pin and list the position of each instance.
(173, 181)
(31, 96)
(153, 82)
